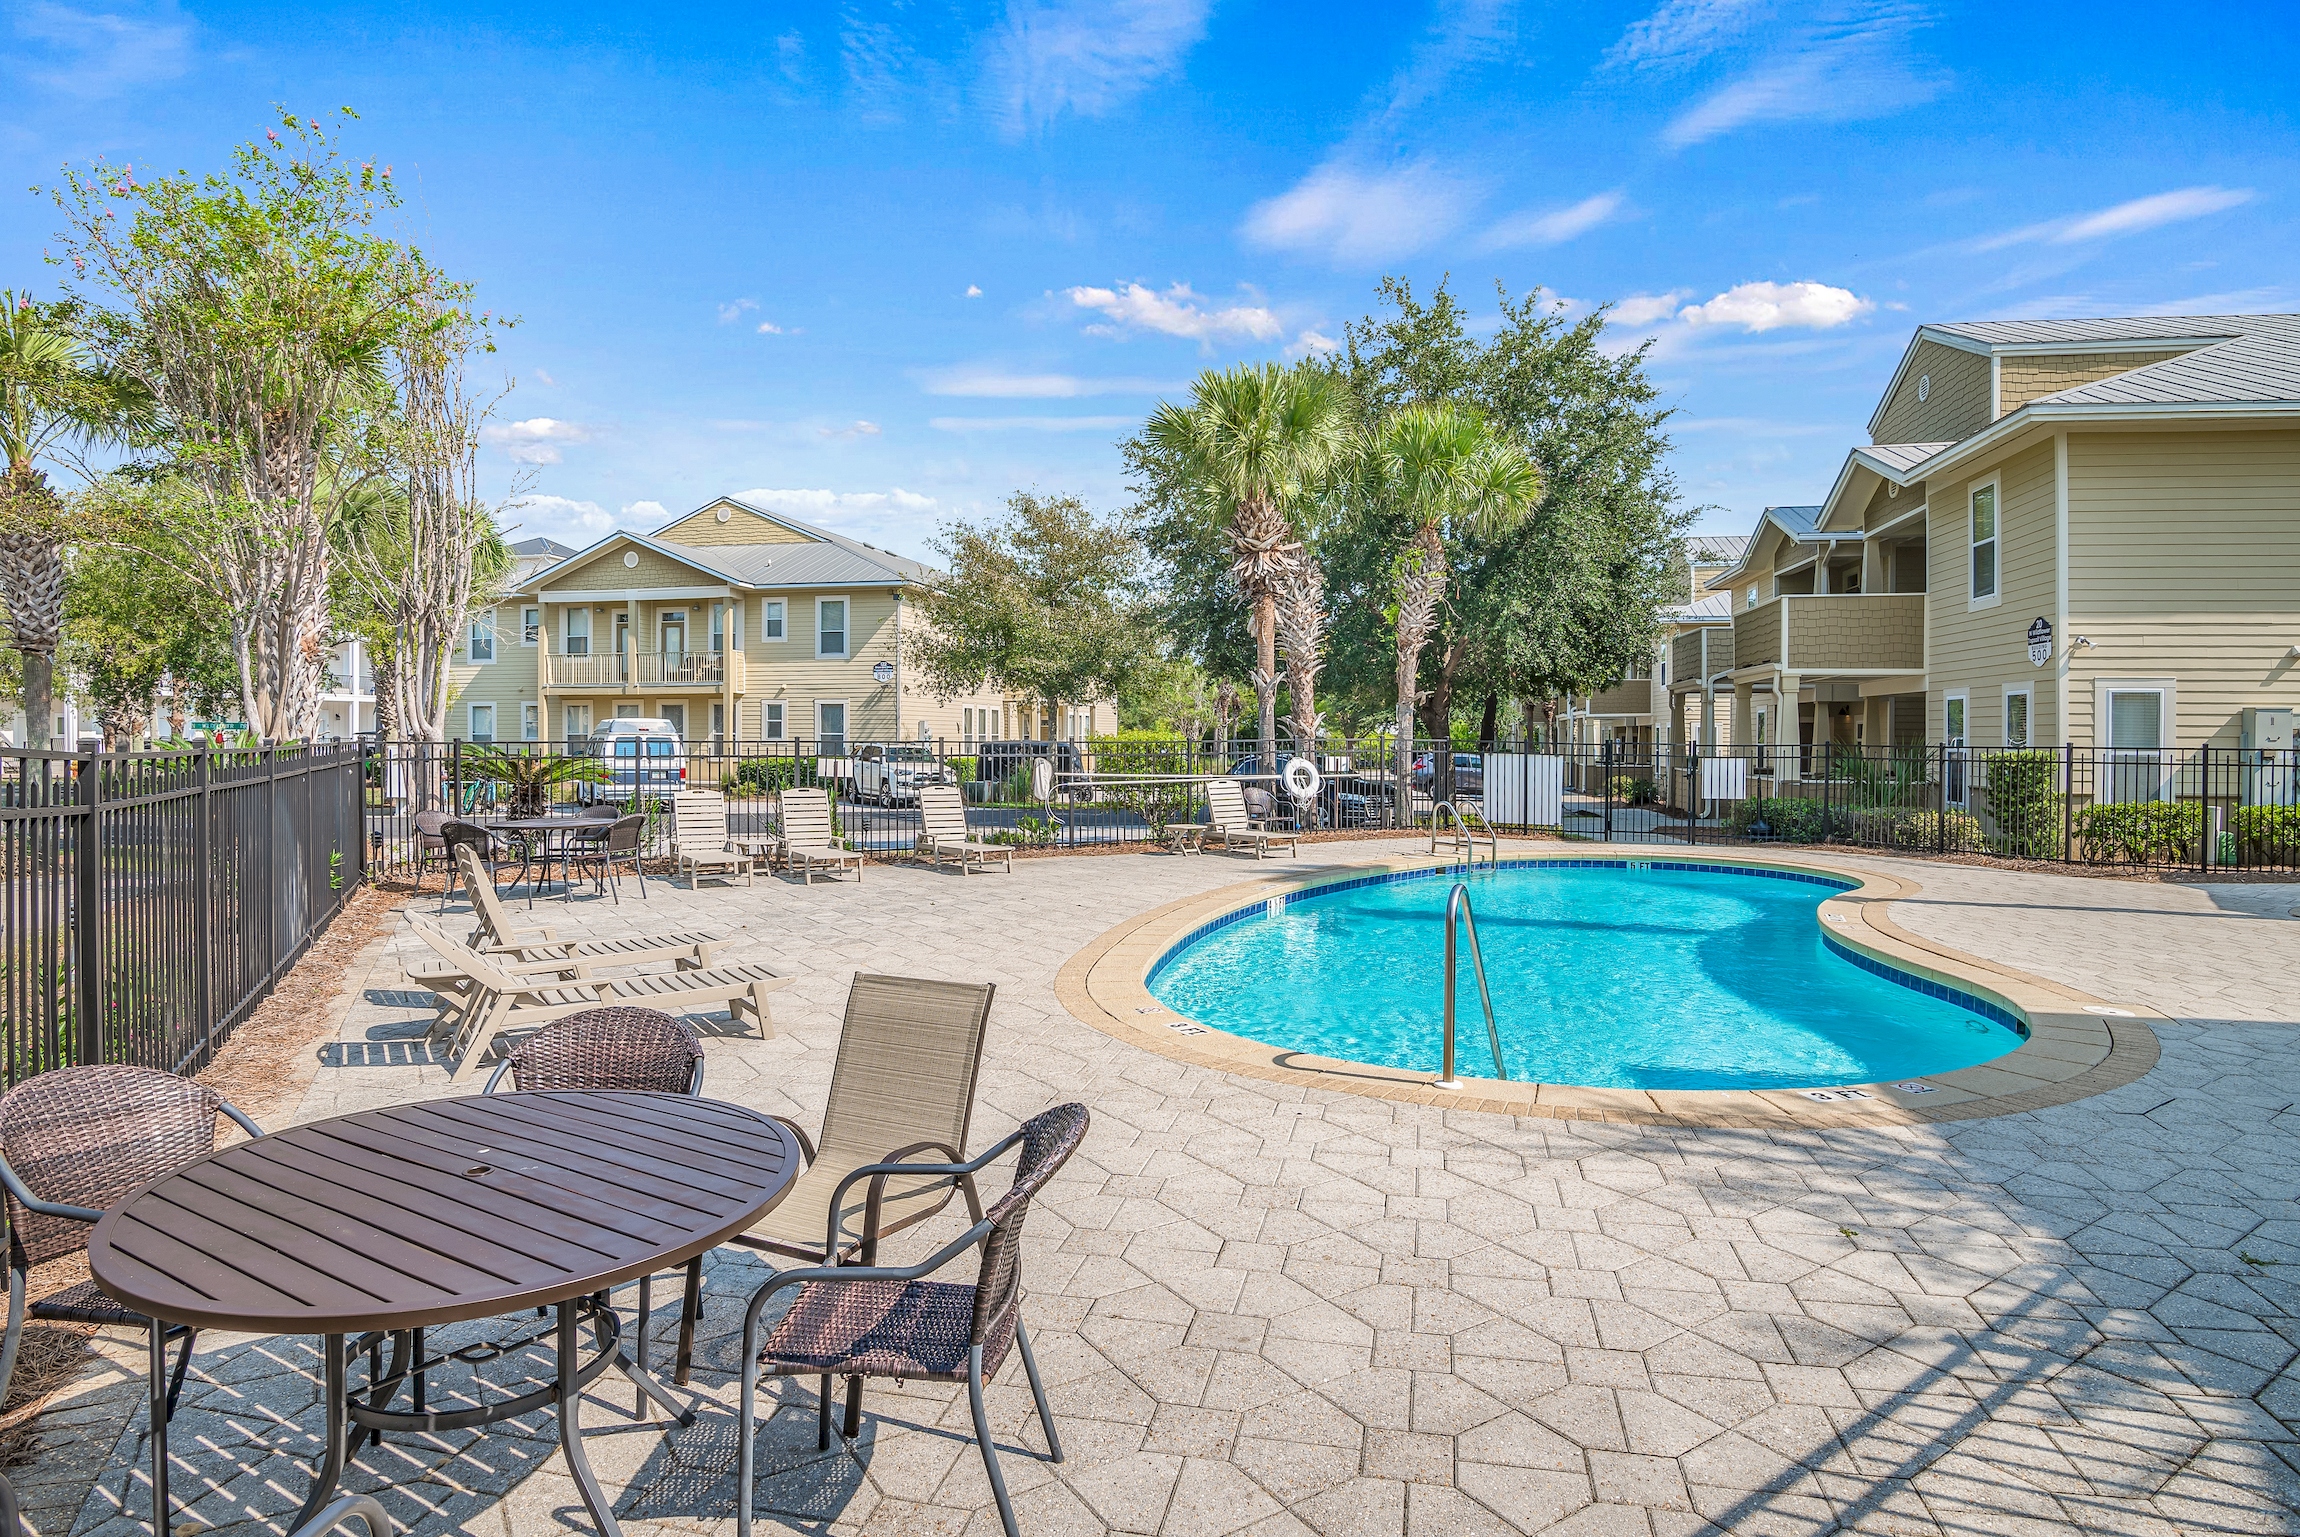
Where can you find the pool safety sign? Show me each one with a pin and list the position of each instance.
(2039, 641)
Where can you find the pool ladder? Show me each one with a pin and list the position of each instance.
(1457, 905)
(1465, 833)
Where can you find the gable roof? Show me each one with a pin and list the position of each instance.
(828, 559)
(1715, 549)
(1799, 524)
(684, 554)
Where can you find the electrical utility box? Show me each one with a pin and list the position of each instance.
(2268, 730)
(2269, 762)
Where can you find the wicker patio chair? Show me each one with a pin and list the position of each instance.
(429, 844)
(72, 1142)
(637, 1051)
(459, 835)
(599, 855)
(942, 811)
(902, 1085)
(885, 1321)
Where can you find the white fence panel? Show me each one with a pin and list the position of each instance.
(1524, 789)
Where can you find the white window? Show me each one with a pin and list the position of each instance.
(578, 722)
(483, 637)
(770, 619)
(2135, 717)
(1984, 543)
(482, 723)
(1749, 598)
(530, 626)
(578, 632)
(771, 720)
(831, 627)
(530, 722)
(718, 721)
(2016, 717)
(831, 727)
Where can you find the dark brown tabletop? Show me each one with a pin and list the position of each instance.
(430, 1213)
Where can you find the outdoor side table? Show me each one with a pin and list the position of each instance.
(388, 1222)
(1186, 837)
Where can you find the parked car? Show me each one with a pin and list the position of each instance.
(1467, 773)
(642, 757)
(890, 776)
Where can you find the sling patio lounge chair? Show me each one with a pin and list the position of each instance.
(943, 811)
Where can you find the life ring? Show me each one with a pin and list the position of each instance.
(1041, 780)
(1302, 778)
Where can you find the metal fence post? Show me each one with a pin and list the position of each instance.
(1941, 817)
(87, 905)
(203, 892)
(2067, 802)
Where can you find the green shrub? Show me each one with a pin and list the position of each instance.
(1632, 791)
(1787, 818)
(761, 776)
(1953, 832)
(2139, 832)
(963, 766)
(2026, 803)
(2265, 835)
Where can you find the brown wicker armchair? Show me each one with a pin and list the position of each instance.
(877, 1321)
(638, 1051)
(597, 854)
(72, 1142)
(469, 835)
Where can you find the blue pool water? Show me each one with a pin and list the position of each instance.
(1611, 978)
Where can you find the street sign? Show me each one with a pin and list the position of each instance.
(883, 672)
(2039, 641)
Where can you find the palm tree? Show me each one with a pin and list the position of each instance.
(49, 394)
(1447, 473)
(1255, 439)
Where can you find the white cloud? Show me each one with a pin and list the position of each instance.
(769, 328)
(974, 290)
(1179, 311)
(536, 440)
(986, 382)
(730, 313)
(1771, 306)
(2131, 218)
(554, 515)
(648, 511)
(1031, 423)
(1087, 57)
(1312, 341)
(889, 518)
(1841, 68)
(543, 376)
(1354, 216)
(98, 52)
(1553, 226)
(856, 429)
(1683, 31)
(1644, 309)
(1463, 33)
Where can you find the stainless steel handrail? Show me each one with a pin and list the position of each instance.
(1465, 835)
(1457, 902)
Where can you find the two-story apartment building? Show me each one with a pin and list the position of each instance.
(732, 622)
(1663, 702)
(2081, 531)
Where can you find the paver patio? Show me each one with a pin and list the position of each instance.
(1274, 1311)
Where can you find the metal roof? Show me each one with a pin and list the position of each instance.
(1898, 457)
(1716, 606)
(1716, 549)
(2117, 328)
(835, 560)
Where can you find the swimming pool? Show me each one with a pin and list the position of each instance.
(1609, 974)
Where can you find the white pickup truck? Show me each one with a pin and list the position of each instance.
(890, 776)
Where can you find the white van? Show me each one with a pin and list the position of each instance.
(642, 757)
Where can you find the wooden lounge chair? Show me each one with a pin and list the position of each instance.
(807, 841)
(902, 1087)
(701, 847)
(505, 1000)
(1230, 823)
(943, 810)
(498, 935)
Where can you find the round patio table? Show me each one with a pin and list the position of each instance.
(388, 1222)
(534, 835)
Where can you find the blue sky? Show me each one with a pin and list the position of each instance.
(880, 266)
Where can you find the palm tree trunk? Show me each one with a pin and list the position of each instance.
(1266, 662)
(1421, 586)
(1301, 632)
(39, 696)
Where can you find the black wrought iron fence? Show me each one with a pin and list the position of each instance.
(2199, 808)
(152, 899)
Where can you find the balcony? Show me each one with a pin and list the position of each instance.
(1838, 632)
(1631, 696)
(1687, 664)
(641, 671)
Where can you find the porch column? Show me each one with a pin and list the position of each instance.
(1745, 714)
(1788, 737)
(633, 638)
(727, 667)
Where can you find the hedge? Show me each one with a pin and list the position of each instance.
(2139, 832)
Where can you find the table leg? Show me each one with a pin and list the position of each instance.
(161, 1510)
(335, 1389)
(570, 1425)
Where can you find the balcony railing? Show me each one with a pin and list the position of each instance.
(640, 669)
(1861, 632)
(1688, 665)
(1631, 696)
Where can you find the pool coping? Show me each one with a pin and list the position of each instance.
(2077, 1045)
